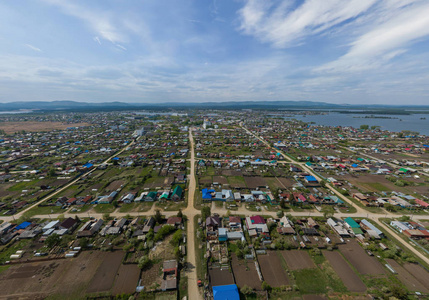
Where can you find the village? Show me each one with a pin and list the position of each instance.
(210, 205)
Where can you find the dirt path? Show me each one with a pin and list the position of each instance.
(191, 212)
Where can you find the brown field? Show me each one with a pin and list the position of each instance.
(313, 297)
(348, 277)
(245, 273)
(272, 270)
(365, 183)
(231, 173)
(106, 273)
(407, 279)
(127, 280)
(151, 275)
(285, 182)
(220, 277)
(113, 186)
(67, 278)
(220, 179)
(297, 260)
(12, 127)
(419, 272)
(254, 182)
(364, 263)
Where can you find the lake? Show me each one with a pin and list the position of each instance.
(397, 123)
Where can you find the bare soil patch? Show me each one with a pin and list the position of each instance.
(220, 276)
(364, 263)
(418, 272)
(245, 273)
(105, 275)
(29, 126)
(66, 277)
(220, 179)
(272, 270)
(406, 278)
(297, 259)
(150, 276)
(113, 186)
(127, 280)
(254, 182)
(348, 277)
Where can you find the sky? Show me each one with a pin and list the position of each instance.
(336, 51)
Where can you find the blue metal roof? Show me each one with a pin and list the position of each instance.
(226, 292)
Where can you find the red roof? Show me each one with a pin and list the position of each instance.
(257, 220)
(422, 203)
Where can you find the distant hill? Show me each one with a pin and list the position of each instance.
(66, 105)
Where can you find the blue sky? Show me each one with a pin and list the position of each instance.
(354, 51)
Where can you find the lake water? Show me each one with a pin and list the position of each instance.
(396, 124)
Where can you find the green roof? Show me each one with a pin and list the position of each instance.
(177, 191)
(403, 170)
(357, 231)
(352, 223)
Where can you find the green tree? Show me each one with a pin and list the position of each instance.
(52, 240)
(144, 262)
(158, 216)
(180, 213)
(246, 290)
(265, 286)
(205, 212)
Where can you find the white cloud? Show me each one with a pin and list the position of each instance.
(283, 25)
(99, 21)
(97, 39)
(385, 41)
(33, 48)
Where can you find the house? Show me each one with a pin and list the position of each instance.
(69, 224)
(150, 197)
(212, 223)
(174, 221)
(128, 198)
(311, 180)
(177, 193)
(223, 292)
(169, 280)
(257, 224)
(51, 225)
(207, 194)
(400, 226)
(150, 223)
(84, 200)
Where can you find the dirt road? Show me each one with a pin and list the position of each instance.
(191, 212)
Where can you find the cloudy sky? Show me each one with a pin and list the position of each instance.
(354, 51)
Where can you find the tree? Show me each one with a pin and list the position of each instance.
(364, 127)
(283, 203)
(83, 243)
(51, 172)
(265, 286)
(115, 203)
(144, 262)
(246, 290)
(280, 214)
(52, 240)
(180, 214)
(158, 216)
(205, 212)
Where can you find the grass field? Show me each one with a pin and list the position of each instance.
(44, 210)
(378, 186)
(104, 208)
